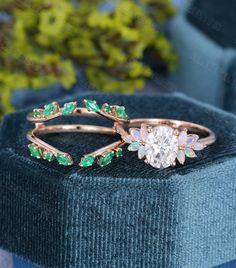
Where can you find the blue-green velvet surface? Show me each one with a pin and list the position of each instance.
(204, 67)
(230, 90)
(216, 18)
(127, 214)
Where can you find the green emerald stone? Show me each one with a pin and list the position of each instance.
(50, 109)
(106, 108)
(120, 112)
(35, 151)
(64, 160)
(37, 113)
(92, 105)
(119, 153)
(68, 108)
(87, 161)
(48, 156)
(106, 159)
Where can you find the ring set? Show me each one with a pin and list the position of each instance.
(160, 142)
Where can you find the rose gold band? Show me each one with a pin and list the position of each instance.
(76, 112)
(42, 129)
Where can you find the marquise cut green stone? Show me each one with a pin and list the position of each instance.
(119, 153)
(106, 159)
(120, 112)
(64, 160)
(106, 108)
(87, 161)
(35, 152)
(50, 109)
(68, 108)
(48, 156)
(92, 106)
(37, 113)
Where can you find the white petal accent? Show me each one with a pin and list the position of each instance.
(199, 146)
(183, 138)
(128, 138)
(181, 157)
(144, 132)
(141, 152)
(134, 146)
(191, 140)
(135, 133)
(190, 153)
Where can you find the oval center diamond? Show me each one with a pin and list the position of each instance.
(161, 146)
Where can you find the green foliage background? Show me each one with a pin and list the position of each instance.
(47, 38)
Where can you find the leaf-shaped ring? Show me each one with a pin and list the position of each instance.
(103, 156)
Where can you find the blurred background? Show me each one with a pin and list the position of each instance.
(53, 48)
(50, 49)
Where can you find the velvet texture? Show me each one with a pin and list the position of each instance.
(230, 93)
(216, 18)
(205, 67)
(127, 214)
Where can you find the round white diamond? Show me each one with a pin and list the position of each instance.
(161, 146)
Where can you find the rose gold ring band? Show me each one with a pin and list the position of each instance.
(33, 136)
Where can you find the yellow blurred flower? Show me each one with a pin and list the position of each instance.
(47, 39)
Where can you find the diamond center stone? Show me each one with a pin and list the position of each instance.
(161, 146)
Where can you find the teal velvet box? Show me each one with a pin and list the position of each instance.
(127, 214)
(203, 40)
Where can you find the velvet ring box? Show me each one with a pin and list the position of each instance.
(204, 38)
(127, 214)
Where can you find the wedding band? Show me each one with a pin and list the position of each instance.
(161, 142)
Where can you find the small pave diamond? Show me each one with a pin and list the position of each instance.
(161, 147)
